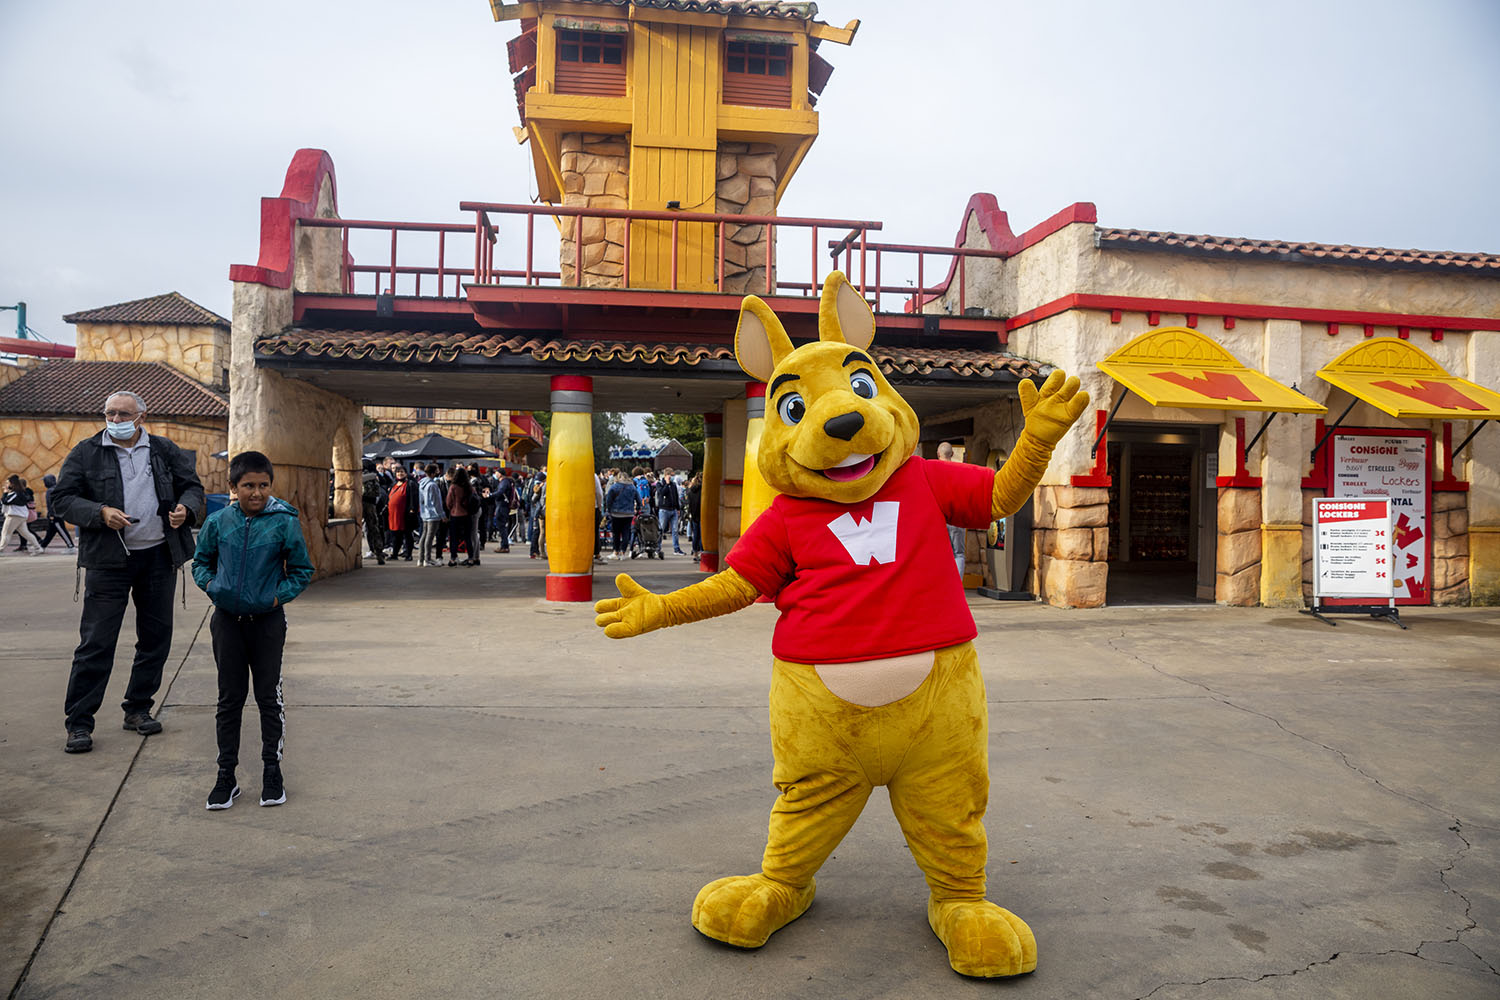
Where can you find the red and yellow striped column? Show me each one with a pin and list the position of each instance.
(756, 494)
(570, 490)
(708, 504)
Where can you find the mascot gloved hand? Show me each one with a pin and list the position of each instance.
(874, 675)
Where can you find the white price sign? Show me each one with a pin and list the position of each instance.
(1393, 465)
(1352, 547)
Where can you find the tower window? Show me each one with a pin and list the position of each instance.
(591, 62)
(758, 74)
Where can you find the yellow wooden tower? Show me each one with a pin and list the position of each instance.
(684, 105)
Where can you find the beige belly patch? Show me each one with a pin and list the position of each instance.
(873, 683)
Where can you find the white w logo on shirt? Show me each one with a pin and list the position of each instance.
(869, 541)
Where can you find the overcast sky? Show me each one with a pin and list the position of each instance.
(136, 139)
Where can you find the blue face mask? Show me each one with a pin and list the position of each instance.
(120, 431)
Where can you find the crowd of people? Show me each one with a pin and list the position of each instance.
(23, 520)
(451, 515)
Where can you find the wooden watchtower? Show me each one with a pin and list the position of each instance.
(662, 105)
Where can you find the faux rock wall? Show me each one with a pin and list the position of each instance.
(333, 546)
(596, 174)
(199, 352)
(1070, 540)
(1450, 547)
(1237, 566)
(746, 186)
(31, 447)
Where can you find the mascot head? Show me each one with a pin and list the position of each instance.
(835, 429)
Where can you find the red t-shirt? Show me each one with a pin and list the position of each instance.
(868, 580)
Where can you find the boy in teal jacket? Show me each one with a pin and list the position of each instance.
(251, 561)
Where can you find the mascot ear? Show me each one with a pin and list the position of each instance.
(843, 314)
(760, 341)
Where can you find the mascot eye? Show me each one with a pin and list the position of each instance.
(863, 385)
(791, 409)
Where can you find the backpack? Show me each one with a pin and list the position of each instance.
(471, 501)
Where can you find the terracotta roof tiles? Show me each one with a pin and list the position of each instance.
(750, 8)
(429, 347)
(67, 386)
(1308, 253)
(173, 309)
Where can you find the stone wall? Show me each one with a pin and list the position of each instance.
(596, 174)
(31, 447)
(199, 352)
(334, 546)
(746, 186)
(1237, 564)
(1450, 547)
(400, 422)
(1070, 540)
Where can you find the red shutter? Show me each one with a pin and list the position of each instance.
(597, 79)
(758, 91)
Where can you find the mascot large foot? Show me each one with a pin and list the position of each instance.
(745, 910)
(982, 939)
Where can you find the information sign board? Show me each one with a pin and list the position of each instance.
(1352, 548)
(1392, 464)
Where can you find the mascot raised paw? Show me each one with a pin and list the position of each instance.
(874, 675)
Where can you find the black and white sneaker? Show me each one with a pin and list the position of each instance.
(272, 789)
(225, 791)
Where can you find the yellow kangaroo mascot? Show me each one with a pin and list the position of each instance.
(874, 677)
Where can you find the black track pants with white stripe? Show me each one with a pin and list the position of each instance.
(248, 652)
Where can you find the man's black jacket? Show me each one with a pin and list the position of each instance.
(90, 479)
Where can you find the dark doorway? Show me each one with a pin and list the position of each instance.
(1162, 514)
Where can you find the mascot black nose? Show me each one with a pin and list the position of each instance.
(844, 426)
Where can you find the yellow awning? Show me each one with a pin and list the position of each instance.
(1175, 366)
(1404, 381)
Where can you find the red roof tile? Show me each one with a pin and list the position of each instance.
(173, 308)
(1302, 253)
(426, 347)
(753, 8)
(65, 386)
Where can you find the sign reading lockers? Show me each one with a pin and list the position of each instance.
(1394, 464)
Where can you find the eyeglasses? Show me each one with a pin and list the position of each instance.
(121, 414)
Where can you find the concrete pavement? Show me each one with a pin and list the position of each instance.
(488, 798)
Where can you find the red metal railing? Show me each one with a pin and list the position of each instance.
(917, 295)
(857, 231)
(864, 262)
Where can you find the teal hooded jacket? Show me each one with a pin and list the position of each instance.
(250, 565)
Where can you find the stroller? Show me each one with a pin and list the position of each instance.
(645, 537)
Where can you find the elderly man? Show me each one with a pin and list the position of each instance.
(135, 498)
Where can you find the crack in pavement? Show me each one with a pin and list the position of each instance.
(1456, 824)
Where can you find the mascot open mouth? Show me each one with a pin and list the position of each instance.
(852, 468)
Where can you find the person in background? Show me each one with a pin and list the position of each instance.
(694, 504)
(479, 483)
(538, 518)
(461, 505)
(13, 500)
(398, 516)
(250, 561)
(669, 508)
(372, 502)
(55, 525)
(135, 498)
(506, 503)
(956, 535)
(623, 502)
(430, 508)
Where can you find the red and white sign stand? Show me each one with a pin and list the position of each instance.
(1354, 556)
